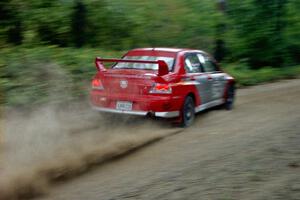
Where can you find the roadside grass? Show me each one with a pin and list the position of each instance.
(32, 76)
(38, 75)
(249, 77)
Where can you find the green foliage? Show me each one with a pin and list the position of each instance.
(258, 29)
(292, 33)
(263, 32)
(79, 24)
(50, 21)
(10, 22)
(46, 74)
(246, 76)
(47, 46)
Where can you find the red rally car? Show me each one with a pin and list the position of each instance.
(162, 82)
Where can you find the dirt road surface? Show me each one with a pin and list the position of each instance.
(251, 152)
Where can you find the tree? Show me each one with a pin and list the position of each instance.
(220, 49)
(257, 28)
(14, 34)
(79, 24)
(10, 20)
(292, 31)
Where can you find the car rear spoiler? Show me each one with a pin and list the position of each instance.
(163, 68)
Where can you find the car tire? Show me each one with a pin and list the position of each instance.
(188, 112)
(229, 101)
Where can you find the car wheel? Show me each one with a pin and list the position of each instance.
(230, 97)
(188, 112)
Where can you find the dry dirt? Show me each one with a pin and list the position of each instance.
(251, 152)
(52, 144)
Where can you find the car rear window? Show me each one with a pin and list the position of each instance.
(168, 60)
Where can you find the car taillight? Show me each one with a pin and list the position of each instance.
(161, 89)
(97, 84)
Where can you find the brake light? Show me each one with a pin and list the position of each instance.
(161, 89)
(97, 84)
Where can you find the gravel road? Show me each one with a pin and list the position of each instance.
(251, 152)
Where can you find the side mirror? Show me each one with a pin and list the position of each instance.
(99, 65)
(163, 68)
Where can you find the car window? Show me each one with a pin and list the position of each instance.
(168, 60)
(192, 64)
(207, 63)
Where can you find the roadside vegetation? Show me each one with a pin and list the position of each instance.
(47, 48)
(246, 76)
(45, 74)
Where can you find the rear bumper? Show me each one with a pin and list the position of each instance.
(166, 106)
(169, 114)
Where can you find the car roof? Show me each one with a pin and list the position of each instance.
(159, 51)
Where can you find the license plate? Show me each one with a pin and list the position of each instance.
(124, 105)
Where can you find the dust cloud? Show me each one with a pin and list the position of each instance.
(54, 143)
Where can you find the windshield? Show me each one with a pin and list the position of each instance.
(168, 60)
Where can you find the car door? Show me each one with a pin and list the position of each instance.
(195, 73)
(215, 76)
